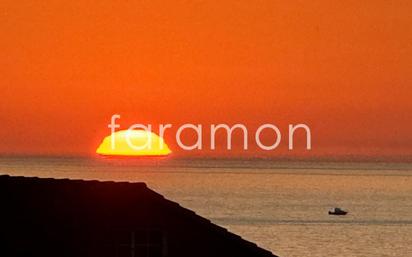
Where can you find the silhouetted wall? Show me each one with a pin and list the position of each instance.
(60, 217)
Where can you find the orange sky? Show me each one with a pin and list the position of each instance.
(342, 67)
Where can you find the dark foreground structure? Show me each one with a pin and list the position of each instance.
(75, 218)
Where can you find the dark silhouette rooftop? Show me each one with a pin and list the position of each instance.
(61, 217)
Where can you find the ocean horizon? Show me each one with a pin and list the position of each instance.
(281, 205)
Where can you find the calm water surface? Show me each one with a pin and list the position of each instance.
(281, 206)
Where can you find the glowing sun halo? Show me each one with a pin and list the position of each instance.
(133, 143)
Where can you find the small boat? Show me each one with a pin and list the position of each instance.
(337, 211)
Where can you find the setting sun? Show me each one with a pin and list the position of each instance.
(133, 143)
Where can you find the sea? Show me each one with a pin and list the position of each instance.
(280, 205)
